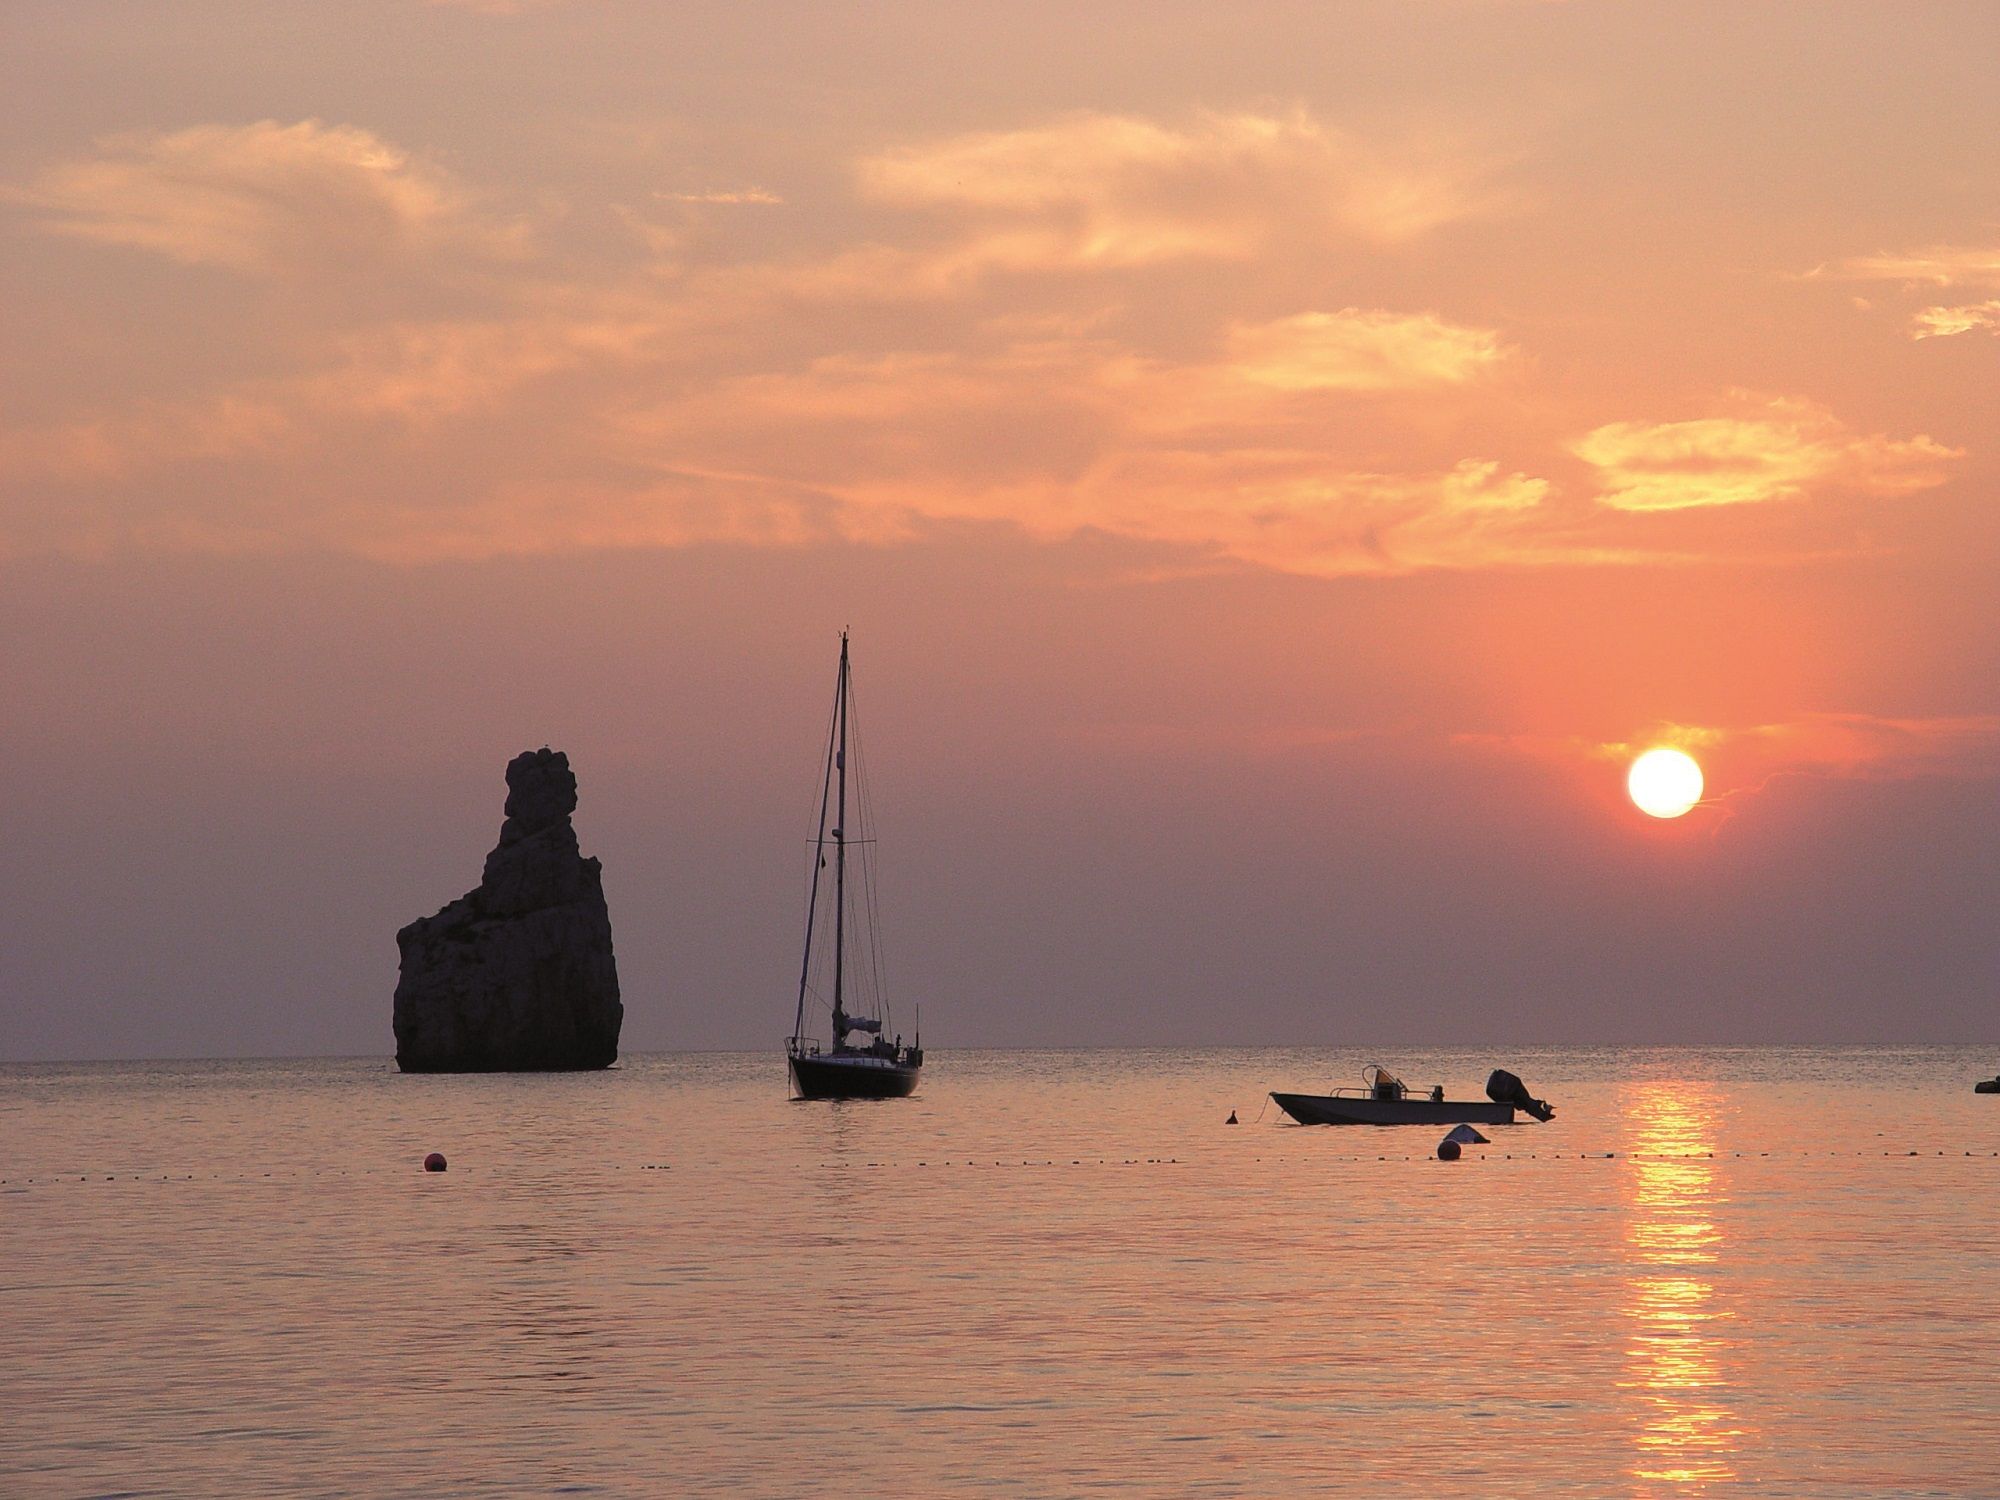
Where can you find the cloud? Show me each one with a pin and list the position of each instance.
(1103, 191)
(1065, 436)
(544, 516)
(748, 195)
(497, 7)
(1230, 457)
(1299, 511)
(264, 198)
(1941, 265)
(1357, 350)
(1943, 322)
(414, 376)
(873, 388)
(1743, 759)
(1783, 451)
(142, 436)
(725, 197)
(1867, 745)
(1971, 266)
(1292, 512)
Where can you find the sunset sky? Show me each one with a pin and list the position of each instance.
(1279, 465)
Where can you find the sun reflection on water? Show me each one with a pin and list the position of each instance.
(1687, 1434)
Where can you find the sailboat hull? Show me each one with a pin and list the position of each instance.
(852, 1078)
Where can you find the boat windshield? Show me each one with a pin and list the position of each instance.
(1382, 1083)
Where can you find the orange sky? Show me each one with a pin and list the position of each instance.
(1278, 463)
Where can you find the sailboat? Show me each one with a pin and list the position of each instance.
(865, 1060)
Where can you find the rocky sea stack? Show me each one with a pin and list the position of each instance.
(516, 976)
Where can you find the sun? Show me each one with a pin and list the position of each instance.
(1664, 783)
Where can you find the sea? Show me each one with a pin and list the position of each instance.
(1716, 1271)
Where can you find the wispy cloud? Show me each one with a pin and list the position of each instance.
(1360, 350)
(266, 198)
(1940, 265)
(872, 388)
(496, 7)
(547, 515)
(1298, 511)
(1059, 438)
(1859, 746)
(1869, 745)
(1971, 266)
(724, 196)
(1097, 190)
(1944, 322)
(413, 376)
(1781, 450)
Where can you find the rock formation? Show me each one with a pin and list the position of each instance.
(516, 975)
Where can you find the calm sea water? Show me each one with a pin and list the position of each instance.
(1767, 1271)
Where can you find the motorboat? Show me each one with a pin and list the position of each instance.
(1384, 1099)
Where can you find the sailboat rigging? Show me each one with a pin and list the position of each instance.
(879, 1067)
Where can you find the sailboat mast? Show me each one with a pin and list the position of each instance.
(840, 853)
(819, 862)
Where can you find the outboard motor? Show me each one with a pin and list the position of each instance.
(1503, 1087)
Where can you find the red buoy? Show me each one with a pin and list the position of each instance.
(434, 1162)
(1448, 1150)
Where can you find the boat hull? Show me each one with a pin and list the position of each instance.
(852, 1078)
(1335, 1109)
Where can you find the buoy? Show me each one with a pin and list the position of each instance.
(434, 1162)
(1232, 1118)
(1448, 1149)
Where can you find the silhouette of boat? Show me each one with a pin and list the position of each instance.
(1987, 1086)
(1384, 1099)
(878, 1067)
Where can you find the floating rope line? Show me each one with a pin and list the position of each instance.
(64, 1179)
